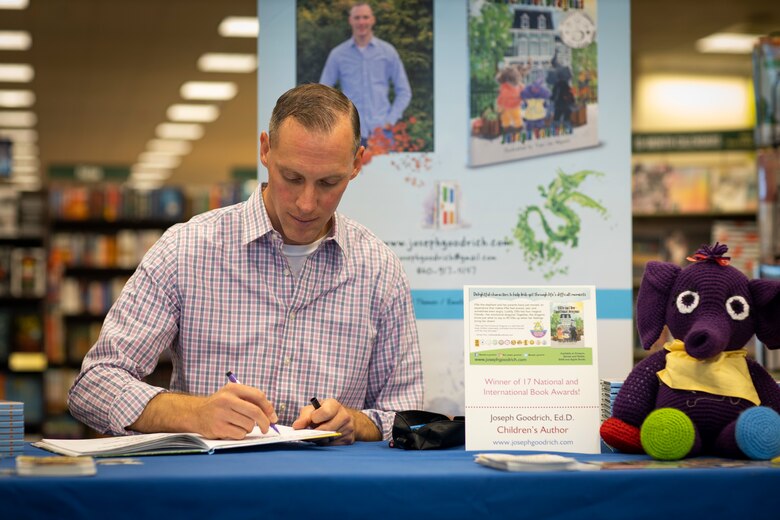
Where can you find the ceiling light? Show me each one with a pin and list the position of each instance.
(239, 27)
(189, 131)
(17, 119)
(26, 162)
(31, 183)
(16, 72)
(25, 150)
(210, 90)
(169, 146)
(216, 62)
(159, 160)
(15, 40)
(150, 175)
(680, 103)
(193, 113)
(16, 98)
(727, 43)
(14, 4)
(25, 169)
(19, 135)
(145, 185)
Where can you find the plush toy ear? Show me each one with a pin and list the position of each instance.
(766, 309)
(651, 301)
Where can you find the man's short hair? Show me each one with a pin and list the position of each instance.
(316, 107)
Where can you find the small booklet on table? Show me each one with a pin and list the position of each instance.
(27, 466)
(170, 443)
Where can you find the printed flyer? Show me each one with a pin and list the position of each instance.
(533, 78)
(531, 368)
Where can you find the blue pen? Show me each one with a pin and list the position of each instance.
(233, 379)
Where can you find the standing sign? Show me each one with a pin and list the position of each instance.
(531, 368)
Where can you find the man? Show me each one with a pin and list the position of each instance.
(364, 67)
(297, 300)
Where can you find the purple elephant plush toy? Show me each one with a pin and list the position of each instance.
(701, 395)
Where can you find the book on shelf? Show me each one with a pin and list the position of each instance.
(666, 188)
(28, 271)
(742, 239)
(28, 466)
(5, 270)
(27, 332)
(766, 78)
(734, 188)
(5, 335)
(173, 443)
(9, 202)
(32, 214)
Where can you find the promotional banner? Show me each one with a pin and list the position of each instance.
(533, 77)
(531, 368)
(561, 218)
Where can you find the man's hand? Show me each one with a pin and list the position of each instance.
(230, 413)
(353, 425)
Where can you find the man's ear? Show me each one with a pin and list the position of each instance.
(358, 162)
(265, 147)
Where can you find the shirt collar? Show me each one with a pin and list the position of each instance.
(369, 44)
(256, 223)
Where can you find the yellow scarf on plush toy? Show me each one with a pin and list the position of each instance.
(725, 374)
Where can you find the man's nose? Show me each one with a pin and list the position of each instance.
(307, 199)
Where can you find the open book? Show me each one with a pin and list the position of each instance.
(169, 443)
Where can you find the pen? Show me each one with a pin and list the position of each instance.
(314, 402)
(233, 379)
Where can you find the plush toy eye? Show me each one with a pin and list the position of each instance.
(737, 308)
(687, 301)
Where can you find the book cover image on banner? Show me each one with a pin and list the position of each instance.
(531, 368)
(533, 78)
(380, 55)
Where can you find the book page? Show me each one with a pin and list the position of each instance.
(173, 442)
(256, 437)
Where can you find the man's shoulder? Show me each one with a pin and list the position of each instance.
(362, 239)
(212, 223)
(384, 45)
(343, 46)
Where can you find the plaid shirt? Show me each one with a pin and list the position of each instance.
(218, 294)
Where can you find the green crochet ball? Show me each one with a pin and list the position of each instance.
(667, 434)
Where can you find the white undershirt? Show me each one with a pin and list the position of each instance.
(297, 255)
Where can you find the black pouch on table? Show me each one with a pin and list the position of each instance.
(420, 430)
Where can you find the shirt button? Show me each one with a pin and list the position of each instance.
(282, 407)
(287, 272)
(292, 316)
(287, 361)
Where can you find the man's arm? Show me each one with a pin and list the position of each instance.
(330, 72)
(230, 413)
(353, 425)
(403, 91)
(109, 394)
(395, 377)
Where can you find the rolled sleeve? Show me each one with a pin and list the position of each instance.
(395, 373)
(109, 394)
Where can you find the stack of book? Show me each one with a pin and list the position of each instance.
(609, 390)
(11, 428)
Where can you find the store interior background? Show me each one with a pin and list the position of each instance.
(106, 74)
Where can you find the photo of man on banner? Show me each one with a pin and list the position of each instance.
(345, 44)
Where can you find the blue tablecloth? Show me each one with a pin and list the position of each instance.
(372, 480)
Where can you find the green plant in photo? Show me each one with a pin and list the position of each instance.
(545, 252)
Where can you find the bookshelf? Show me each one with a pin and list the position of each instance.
(97, 235)
(22, 292)
(690, 189)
